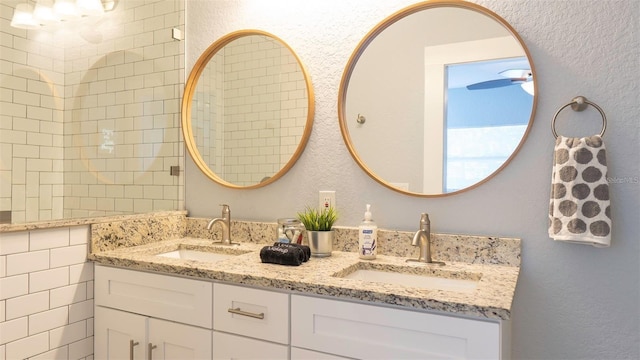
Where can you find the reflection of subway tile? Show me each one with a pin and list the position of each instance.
(13, 82)
(32, 209)
(125, 205)
(18, 197)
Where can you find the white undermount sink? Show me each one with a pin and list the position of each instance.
(435, 281)
(203, 256)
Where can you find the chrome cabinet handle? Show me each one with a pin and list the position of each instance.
(150, 348)
(131, 345)
(246, 313)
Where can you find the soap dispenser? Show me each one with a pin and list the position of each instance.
(367, 236)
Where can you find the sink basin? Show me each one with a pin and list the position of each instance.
(414, 277)
(196, 255)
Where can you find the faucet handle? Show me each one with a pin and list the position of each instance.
(425, 224)
(225, 209)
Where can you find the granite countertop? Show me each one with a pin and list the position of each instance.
(491, 298)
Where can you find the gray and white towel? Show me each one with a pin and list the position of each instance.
(580, 209)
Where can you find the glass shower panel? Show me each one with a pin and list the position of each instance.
(90, 114)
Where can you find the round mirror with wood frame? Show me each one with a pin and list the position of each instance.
(437, 98)
(247, 109)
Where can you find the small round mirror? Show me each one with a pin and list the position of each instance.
(437, 98)
(247, 109)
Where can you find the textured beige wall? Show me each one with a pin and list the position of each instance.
(573, 301)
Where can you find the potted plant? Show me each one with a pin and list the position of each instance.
(319, 225)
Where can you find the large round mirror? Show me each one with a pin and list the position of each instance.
(247, 109)
(437, 98)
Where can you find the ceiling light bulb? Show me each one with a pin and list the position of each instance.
(43, 13)
(65, 9)
(90, 7)
(23, 17)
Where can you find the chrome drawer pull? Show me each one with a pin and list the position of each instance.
(131, 345)
(246, 313)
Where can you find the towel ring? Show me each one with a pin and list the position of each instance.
(579, 103)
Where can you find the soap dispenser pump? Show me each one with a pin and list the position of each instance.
(367, 236)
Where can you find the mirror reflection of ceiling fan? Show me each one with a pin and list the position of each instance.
(523, 77)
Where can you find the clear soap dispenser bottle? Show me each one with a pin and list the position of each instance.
(367, 236)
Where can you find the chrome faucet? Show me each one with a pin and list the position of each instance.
(422, 238)
(225, 221)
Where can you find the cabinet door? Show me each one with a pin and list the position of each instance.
(374, 332)
(169, 340)
(119, 335)
(227, 346)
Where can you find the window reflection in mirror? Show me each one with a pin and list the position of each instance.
(481, 132)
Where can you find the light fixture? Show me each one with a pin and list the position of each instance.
(23, 17)
(52, 12)
(44, 14)
(528, 87)
(90, 7)
(524, 75)
(66, 9)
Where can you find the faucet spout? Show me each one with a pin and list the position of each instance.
(422, 238)
(225, 222)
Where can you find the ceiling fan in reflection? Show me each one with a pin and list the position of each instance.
(523, 77)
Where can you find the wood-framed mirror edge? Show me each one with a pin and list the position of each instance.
(189, 89)
(372, 34)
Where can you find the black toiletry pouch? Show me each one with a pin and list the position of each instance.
(305, 248)
(282, 255)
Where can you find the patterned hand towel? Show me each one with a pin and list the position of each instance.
(580, 209)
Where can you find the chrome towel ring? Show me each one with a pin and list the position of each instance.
(579, 103)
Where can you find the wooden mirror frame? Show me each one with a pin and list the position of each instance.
(190, 88)
(380, 27)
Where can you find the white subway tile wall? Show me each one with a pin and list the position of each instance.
(89, 110)
(46, 294)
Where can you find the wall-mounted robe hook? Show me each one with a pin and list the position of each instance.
(361, 119)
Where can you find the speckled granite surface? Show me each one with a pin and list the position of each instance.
(491, 299)
(49, 224)
(135, 231)
(444, 247)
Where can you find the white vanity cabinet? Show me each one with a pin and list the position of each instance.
(363, 331)
(141, 315)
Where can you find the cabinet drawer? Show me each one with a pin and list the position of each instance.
(304, 354)
(166, 297)
(256, 313)
(228, 346)
(368, 331)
